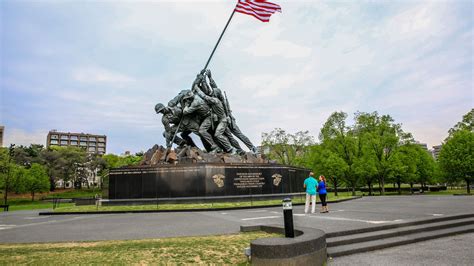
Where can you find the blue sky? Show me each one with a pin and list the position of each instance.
(101, 66)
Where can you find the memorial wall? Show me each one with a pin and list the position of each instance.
(207, 179)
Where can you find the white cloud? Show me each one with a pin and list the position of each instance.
(270, 42)
(22, 137)
(96, 74)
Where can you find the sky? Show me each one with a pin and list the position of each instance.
(100, 67)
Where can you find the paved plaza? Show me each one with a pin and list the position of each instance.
(28, 226)
(453, 250)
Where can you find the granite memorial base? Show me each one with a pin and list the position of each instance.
(204, 180)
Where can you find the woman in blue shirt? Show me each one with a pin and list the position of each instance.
(322, 193)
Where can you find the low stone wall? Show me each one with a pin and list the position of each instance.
(308, 247)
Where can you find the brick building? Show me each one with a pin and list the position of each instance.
(90, 142)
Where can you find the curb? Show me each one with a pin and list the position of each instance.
(186, 210)
(308, 247)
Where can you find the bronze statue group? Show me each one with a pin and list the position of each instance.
(205, 111)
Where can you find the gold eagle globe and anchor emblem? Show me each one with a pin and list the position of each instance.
(218, 180)
(276, 179)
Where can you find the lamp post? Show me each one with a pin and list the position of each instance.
(288, 218)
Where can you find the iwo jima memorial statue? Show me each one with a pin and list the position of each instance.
(221, 168)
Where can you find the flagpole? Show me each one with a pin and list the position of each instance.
(220, 37)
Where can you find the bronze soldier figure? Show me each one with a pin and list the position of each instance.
(219, 116)
(232, 124)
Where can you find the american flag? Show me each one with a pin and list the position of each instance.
(260, 9)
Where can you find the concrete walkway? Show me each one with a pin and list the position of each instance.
(28, 226)
(454, 250)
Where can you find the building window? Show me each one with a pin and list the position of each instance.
(63, 142)
(54, 142)
(73, 137)
(83, 138)
(54, 136)
(101, 139)
(92, 144)
(73, 142)
(64, 137)
(83, 143)
(92, 139)
(101, 144)
(91, 149)
(100, 149)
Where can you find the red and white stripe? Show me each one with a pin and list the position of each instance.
(260, 9)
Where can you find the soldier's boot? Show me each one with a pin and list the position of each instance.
(182, 144)
(232, 151)
(215, 149)
(254, 150)
(240, 152)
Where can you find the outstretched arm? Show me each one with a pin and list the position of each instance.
(211, 80)
(208, 99)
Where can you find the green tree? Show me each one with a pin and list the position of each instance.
(50, 159)
(62, 162)
(404, 166)
(109, 161)
(36, 180)
(18, 174)
(365, 168)
(425, 167)
(323, 161)
(382, 136)
(6, 166)
(456, 157)
(25, 156)
(467, 123)
(70, 159)
(337, 137)
(286, 148)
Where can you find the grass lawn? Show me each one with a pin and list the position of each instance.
(73, 193)
(23, 202)
(186, 206)
(27, 204)
(223, 249)
(19, 202)
(448, 192)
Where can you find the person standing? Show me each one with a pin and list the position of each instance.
(310, 185)
(322, 193)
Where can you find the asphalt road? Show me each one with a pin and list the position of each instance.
(28, 226)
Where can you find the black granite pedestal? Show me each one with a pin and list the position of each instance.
(204, 180)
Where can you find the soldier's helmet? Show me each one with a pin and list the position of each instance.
(159, 107)
(188, 95)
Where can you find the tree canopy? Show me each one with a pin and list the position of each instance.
(456, 157)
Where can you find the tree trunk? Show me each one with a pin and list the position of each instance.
(5, 197)
(52, 184)
(369, 184)
(7, 187)
(399, 188)
(468, 186)
(353, 190)
(32, 196)
(382, 186)
(411, 187)
(335, 187)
